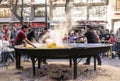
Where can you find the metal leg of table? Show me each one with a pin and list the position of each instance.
(94, 62)
(33, 65)
(75, 67)
(79, 60)
(39, 63)
(70, 61)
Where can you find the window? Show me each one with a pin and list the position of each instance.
(79, 13)
(39, 11)
(26, 11)
(117, 5)
(81, 1)
(59, 12)
(97, 13)
(5, 13)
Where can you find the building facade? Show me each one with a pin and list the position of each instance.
(92, 11)
(114, 14)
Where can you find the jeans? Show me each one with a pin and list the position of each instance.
(5, 55)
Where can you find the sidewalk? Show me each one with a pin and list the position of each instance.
(108, 71)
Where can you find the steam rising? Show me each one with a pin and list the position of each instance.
(58, 32)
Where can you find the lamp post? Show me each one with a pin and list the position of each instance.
(46, 21)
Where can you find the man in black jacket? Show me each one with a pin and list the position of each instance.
(31, 34)
(91, 38)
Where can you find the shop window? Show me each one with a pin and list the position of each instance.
(39, 12)
(5, 13)
(26, 12)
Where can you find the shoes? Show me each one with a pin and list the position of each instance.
(86, 63)
(99, 64)
(19, 67)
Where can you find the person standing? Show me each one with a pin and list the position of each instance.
(6, 35)
(31, 38)
(117, 43)
(21, 38)
(13, 35)
(107, 36)
(91, 38)
(31, 34)
(45, 36)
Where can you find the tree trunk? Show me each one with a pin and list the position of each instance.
(14, 11)
(22, 14)
(67, 6)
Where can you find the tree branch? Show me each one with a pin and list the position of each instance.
(15, 6)
(16, 15)
(1, 1)
(14, 10)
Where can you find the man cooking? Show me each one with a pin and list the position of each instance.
(21, 38)
(91, 38)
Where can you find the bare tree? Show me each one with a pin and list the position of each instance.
(14, 7)
(68, 14)
(67, 6)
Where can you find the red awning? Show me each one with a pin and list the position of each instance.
(34, 24)
(37, 24)
(17, 25)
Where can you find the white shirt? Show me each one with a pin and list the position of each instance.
(5, 47)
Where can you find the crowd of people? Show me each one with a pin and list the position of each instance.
(102, 36)
(85, 35)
